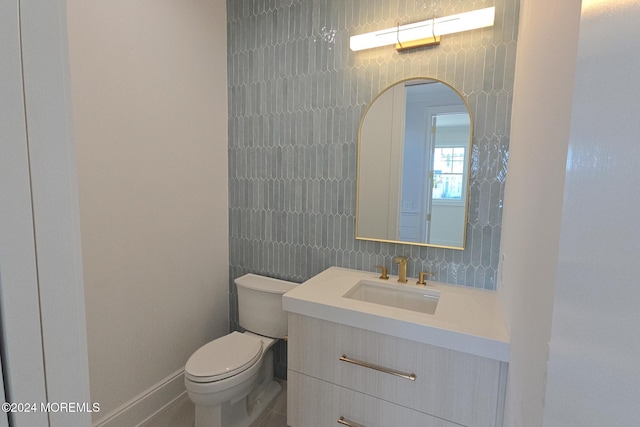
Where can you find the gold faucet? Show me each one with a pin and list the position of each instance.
(421, 276)
(402, 268)
(383, 272)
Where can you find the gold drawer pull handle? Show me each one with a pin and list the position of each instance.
(344, 422)
(411, 377)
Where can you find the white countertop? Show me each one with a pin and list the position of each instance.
(467, 319)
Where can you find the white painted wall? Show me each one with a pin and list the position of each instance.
(569, 277)
(594, 373)
(545, 66)
(150, 117)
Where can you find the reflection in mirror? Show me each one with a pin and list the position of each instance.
(413, 166)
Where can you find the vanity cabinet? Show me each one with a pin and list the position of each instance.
(313, 403)
(374, 387)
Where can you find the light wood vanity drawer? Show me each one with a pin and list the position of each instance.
(459, 387)
(316, 403)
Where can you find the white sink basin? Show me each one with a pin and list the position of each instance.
(407, 297)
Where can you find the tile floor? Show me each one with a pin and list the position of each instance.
(276, 413)
(182, 413)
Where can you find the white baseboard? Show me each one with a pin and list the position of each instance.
(172, 411)
(147, 404)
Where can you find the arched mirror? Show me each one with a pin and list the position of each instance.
(413, 165)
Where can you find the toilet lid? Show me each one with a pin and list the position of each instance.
(224, 357)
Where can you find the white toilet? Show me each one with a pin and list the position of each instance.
(230, 380)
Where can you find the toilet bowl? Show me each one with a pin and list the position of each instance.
(230, 379)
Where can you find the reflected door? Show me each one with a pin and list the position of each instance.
(445, 211)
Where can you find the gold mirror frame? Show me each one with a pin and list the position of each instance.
(398, 180)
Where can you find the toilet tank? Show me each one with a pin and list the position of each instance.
(260, 304)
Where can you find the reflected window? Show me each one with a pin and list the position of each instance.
(448, 173)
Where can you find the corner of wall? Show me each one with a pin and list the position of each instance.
(541, 115)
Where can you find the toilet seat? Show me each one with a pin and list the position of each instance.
(223, 358)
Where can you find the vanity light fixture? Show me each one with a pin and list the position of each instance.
(424, 33)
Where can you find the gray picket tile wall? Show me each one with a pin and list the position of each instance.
(296, 96)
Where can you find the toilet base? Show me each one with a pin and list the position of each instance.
(246, 410)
